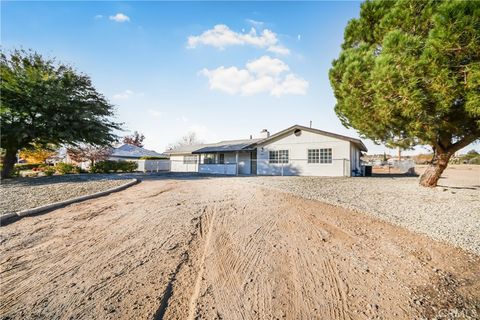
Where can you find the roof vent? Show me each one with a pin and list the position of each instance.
(297, 132)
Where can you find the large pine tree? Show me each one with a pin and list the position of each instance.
(409, 74)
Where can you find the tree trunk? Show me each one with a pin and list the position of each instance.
(9, 162)
(433, 172)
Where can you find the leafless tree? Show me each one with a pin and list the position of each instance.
(87, 152)
(189, 139)
(135, 139)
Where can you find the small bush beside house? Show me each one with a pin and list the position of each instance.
(109, 166)
(66, 168)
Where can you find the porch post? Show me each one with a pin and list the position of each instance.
(236, 163)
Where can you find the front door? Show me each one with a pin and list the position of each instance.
(253, 162)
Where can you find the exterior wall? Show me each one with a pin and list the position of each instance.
(153, 165)
(229, 169)
(297, 147)
(177, 165)
(244, 164)
(354, 157)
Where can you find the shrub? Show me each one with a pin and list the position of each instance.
(27, 166)
(127, 166)
(475, 160)
(66, 168)
(108, 166)
(49, 171)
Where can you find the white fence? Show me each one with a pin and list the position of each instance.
(153, 165)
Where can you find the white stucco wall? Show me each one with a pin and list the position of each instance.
(298, 154)
(177, 165)
(229, 169)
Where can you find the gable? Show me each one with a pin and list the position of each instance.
(307, 134)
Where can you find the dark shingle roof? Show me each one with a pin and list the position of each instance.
(131, 151)
(228, 146)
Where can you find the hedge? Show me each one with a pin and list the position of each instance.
(27, 166)
(66, 168)
(109, 166)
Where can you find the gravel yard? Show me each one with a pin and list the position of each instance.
(448, 213)
(25, 193)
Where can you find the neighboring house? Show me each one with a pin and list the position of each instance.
(297, 150)
(129, 152)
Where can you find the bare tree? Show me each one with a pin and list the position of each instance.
(135, 139)
(189, 139)
(89, 152)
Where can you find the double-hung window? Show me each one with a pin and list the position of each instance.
(320, 155)
(278, 156)
(189, 159)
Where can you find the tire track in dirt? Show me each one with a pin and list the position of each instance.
(198, 280)
(222, 249)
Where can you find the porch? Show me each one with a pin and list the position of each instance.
(228, 163)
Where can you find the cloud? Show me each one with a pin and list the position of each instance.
(267, 65)
(221, 36)
(120, 17)
(255, 23)
(154, 113)
(263, 75)
(98, 17)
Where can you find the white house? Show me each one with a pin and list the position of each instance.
(297, 150)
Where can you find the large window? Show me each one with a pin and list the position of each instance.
(209, 158)
(278, 156)
(189, 159)
(320, 155)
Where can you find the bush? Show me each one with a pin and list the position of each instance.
(109, 166)
(66, 168)
(475, 160)
(27, 166)
(153, 158)
(49, 171)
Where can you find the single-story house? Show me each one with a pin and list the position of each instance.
(297, 150)
(129, 152)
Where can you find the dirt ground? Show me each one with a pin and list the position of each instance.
(218, 248)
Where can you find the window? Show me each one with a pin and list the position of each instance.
(320, 155)
(278, 156)
(221, 158)
(313, 155)
(209, 158)
(189, 159)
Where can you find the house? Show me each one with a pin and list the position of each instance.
(297, 150)
(129, 152)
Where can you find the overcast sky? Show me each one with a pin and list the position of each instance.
(222, 70)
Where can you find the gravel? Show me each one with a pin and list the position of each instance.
(26, 193)
(449, 213)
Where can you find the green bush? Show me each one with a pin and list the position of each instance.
(153, 158)
(66, 168)
(475, 160)
(109, 166)
(49, 171)
(27, 166)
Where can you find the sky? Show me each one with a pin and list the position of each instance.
(221, 70)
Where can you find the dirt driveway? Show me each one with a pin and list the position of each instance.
(219, 248)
